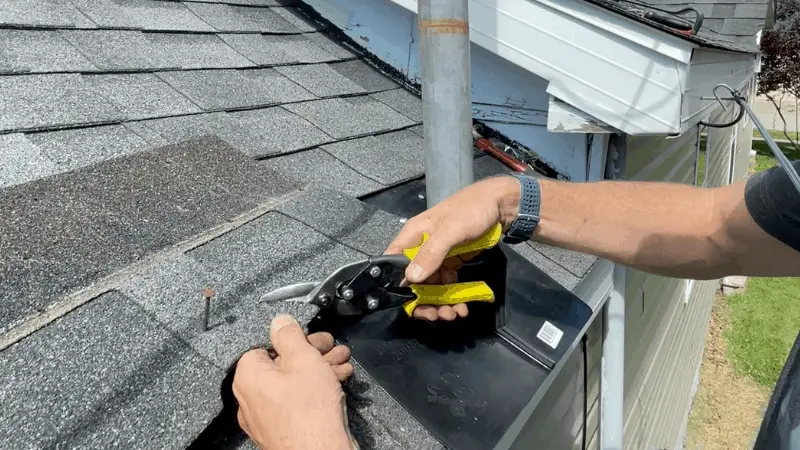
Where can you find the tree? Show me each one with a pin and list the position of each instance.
(780, 56)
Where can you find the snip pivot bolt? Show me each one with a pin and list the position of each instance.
(207, 294)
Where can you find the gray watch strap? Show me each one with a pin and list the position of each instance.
(528, 217)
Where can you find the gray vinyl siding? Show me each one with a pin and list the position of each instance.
(666, 323)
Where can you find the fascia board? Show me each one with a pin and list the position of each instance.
(617, 70)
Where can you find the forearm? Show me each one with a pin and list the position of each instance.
(666, 229)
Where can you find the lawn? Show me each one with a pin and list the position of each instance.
(764, 157)
(778, 134)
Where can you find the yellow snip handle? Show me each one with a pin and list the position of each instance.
(449, 294)
(484, 242)
(453, 294)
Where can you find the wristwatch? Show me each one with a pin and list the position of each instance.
(528, 216)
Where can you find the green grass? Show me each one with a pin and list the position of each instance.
(765, 159)
(778, 134)
(764, 324)
(765, 318)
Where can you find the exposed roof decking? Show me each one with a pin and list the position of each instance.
(88, 189)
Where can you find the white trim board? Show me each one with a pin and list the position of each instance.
(623, 73)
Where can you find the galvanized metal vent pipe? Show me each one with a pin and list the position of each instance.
(446, 100)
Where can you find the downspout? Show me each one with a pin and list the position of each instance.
(612, 365)
(444, 48)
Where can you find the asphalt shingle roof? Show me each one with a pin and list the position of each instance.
(150, 149)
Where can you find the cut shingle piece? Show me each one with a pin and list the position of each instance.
(364, 75)
(22, 161)
(270, 50)
(43, 13)
(294, 17)
(267, 253)
(135, 50)
(141, 96)
(39, 51)
(344, 219)
(81, 381)
(142, 14)
(332, 46)
(236, 89)
(73, 149)
(321, 169)
(402, 101)
(320, 79)
(231, 18)
(270, 131)
(350, 117)
(388, 158)
(30, 102)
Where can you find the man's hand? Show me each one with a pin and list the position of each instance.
(464, 216)
(294, 401)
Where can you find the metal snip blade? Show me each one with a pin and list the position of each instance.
(294, 292)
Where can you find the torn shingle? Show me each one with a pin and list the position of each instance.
(134, 50)
(43, 13)
(180, 128)
(39, 51)
(305, 167)
(344, 219)
(146, 133)
(270, 131)
(402, 101)
(141, 96)
(577, 263)
(388, 158)
(106, 375)
(350, 117)
(320, 79)
(364, 75)
(73, 149)
(268, 50)
(230, 18)
(32, 102)
(232, 89)
(142, 14)
(22, 161)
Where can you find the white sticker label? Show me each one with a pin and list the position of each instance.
(550, 334)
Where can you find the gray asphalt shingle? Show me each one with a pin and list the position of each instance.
(135, 50)
(332, 46)
(269, 50)
(364, 75)
(22, 161)
(236, 89)
(73, 149)
(576, 263)
(87, 223)
(387, 158)
(269, 131)
(39, 51)
(232, 18)
(292, 16)
(305, 167)
(142, 14)
(43, 13)
(104, 376)
(344, 219)
(320, 79)
(31, 102)
(402, 101)
(350, 117)
(555, 271)
(141, 96)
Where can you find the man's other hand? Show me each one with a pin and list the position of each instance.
(294, 401)
(464, 216)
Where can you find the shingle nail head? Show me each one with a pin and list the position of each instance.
(207, 294)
